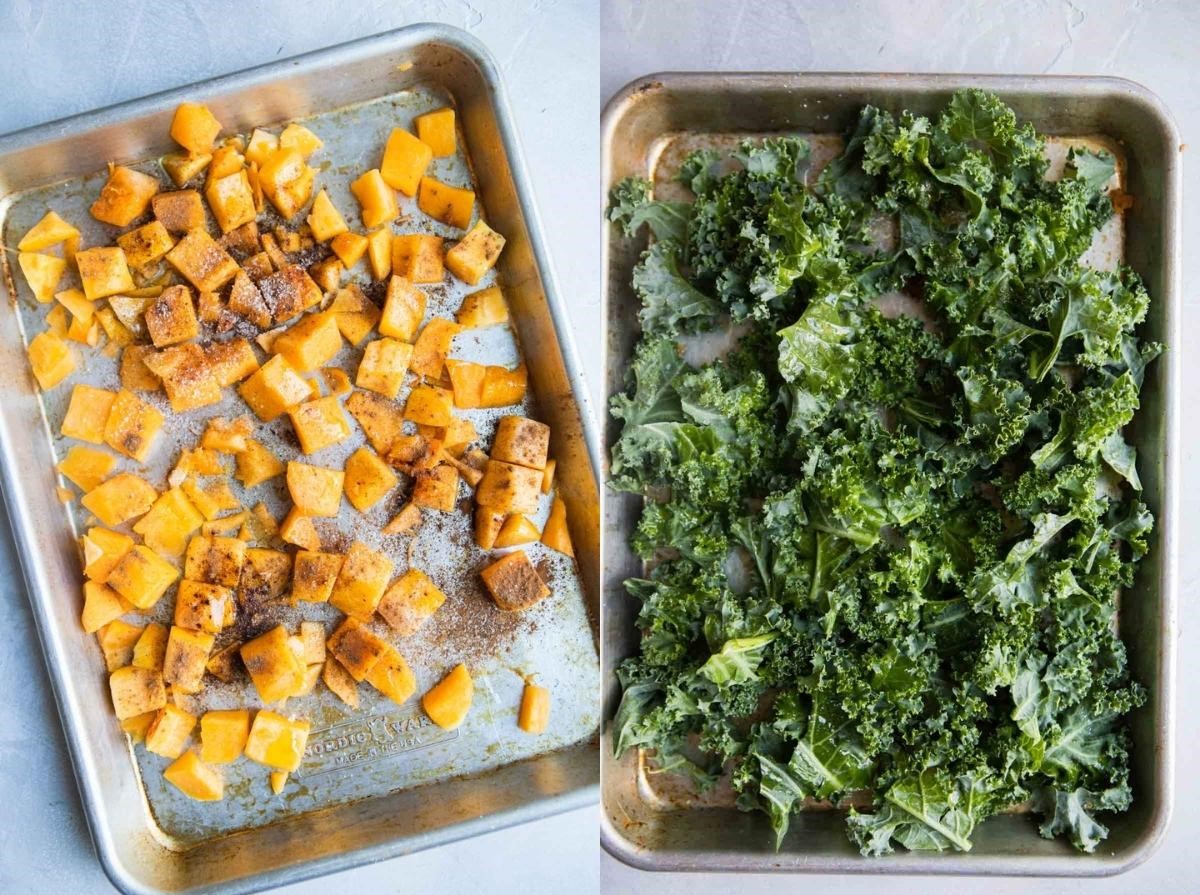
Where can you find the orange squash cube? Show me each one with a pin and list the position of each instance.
(405, 159)
(124, 197)
(377, 202)
(314, 575)
(555, 534)
(356, 315)
(298, 137)
(325, 220)
(289, 292)
(146, 244)
(231, 362)
(246, 300)
(475, 254)
(151, 648)
(49, 231)
(120, 499)
(179, 211)
(215, 560)
(503, 387)
(432, 346)
(382, 420)
(171, 318)
(186, 658)
(170, 523)
(195, 779)
(349, 247)
(315, 491)
(42, 273)
(274, 389)
(311, 343)
(514, 583)
(286, 180)
(319, 424)
(117, 640)
(194, 127)
(137, 726)
(483, 308)
(202, 262)
(141, 576)
(82, 310)
(169, 732)
(223, 735)
(466, 380)
(487, 527)
(410, 602)
(379, 252)
(211, 499)
(368, 479)
(101, 605)
(87, 413)
(226, 436)
(132, 426)
(508, 488)
(231, 199)
(103, 272)
(436, 488)
(436, 130)
(184, 166)
(429, 405)
(515, 531)
(265, 574)
(418, 257)
(534, 714)
(204, 607)
(261, 146)
(356, 648)
(522, 441)
(548, 475)
(449, 701)
(276, 742)
(449, 204)
(392, 677)
(85, 467)
(361, 581)
(383, 366)
(273, 666)
(136, 691)
(184, 373)
(403, 310)
(256, 464)
(338, 680)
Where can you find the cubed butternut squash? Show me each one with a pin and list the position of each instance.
(522, 441)
(298, 137)
(169, 732)
(286, 180)
(227, 436)
(262, 144)
(503, 387)
(87, 413)
(534, 714)
(515, 531)
(117, 640)
(487, 527)
(215, 560)
(368, 479)
(403, 310)
(298, 529)
(508, 488)
(195, 779)
(201, 261)
(256, 464)
(186, 658)
(436, 488)
(132, 426)
(324, 219)
(432, 346)
(418, 257)
(103, 549)
(356, 647)
(125, 196)
(204, 607)
(194, 127)
(319, 423)
(314, 575)
(265, 575)
(452, 205)
(382, 420)
(42, 273)
(86, 467)
(361, 581)
(170, 523)
(327, 273)
(49, 231)
(436, 130)
(377, 202)
(411, 600)
(429, 405)
(339, 680)
(146, 244)
(141, 576)
(275, 388)
(119, 499)
(349, 247)
(556, 535)
(182, 167)
(230, 362)
(231, 199)
(289, 292)
(276, 741)
(274, 667)
(466, 380)
(151, 648)
(383, 366)
(475, 254)
(171, 318)
(223, 735)
(379, 252)
(404, 522)
(392, 677)
(101, 605)
(448, 702)
(246, 300)
(356, 315)
(548, 475)
(136, 691)
(514, 583)
(103, 271)
(315, 491)
(483, 308)
(179, 211)
(405, 159)
(311, 343)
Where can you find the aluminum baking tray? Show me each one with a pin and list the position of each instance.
(655, 824)
(382, 780)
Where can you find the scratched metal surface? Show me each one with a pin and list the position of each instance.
(380, 749)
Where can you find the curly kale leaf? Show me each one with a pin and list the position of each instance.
(631, 207)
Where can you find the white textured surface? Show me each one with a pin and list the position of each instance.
(58, 58)
(1153, 43)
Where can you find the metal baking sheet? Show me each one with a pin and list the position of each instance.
(382, 779)
(657, 822)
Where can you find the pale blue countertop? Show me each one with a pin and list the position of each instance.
(58, 58)
(1154, 43)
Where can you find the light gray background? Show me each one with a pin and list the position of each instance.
(1154, 43)
(58, 57)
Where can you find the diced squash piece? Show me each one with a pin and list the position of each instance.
(274, 668)
(223, 735)
(368, 479)
(103, 271)
(312, 636)
(289, 292)
(451, 205)
(132, 426)
(503, 387)
(179, 211)
(210, 308)
(410, 602)
(436, 130)
(225, 436)
(184, 166)
(146, 244)
(42, 273)
(475, 254)
(169, 732)
(429, 405)
(298, 529)
(84, 333)
(336, 381)
(195, 779)
(379, 252)
(103, 549)
(82, 310)
(246, 300)
(349, 247)
(436, 488)
(170, 523)
(356, 648)
(392, 677)
(215, 560)
(49, 231)
(265, 575)
(151, 648)
(483, 308)
(319, 424)
(87, 413)
(326, 273)
(472, 475)
(432, 346)
(171, 318)
(286, 180)
(514, 583)
(324, 219)
(556, 535)
(548, 475)
(275, 388)
(377, 202)
(137, 726)
(186, 375)
(404, 522)
(403, 310)
(194, 127)
(522, 441)
(312, 674)
(535, 709)
(120, 499)
(315, 491)
(415, 453)
(204, 607)
(117, 640)
(278, 258)
(256, 464)
(449, 701)
(300, 138)
(276, 742)
(231, 199)
(277, 780)
(457, 436)
(382, 420)
(383, 366)
(517, 530)
(361, 581)
(58, 320)
(261, 146)
(466, 380)
(338, 680)
(136, 691)
(356, 315)
(141, 576)
(124, 197)
(86, 467)
(101, 605)
(231, 362)
(405, 159)
(508, 488)
(202, 262)
(311, 343)
(418, 257)
(225, 664)
(487, 527)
